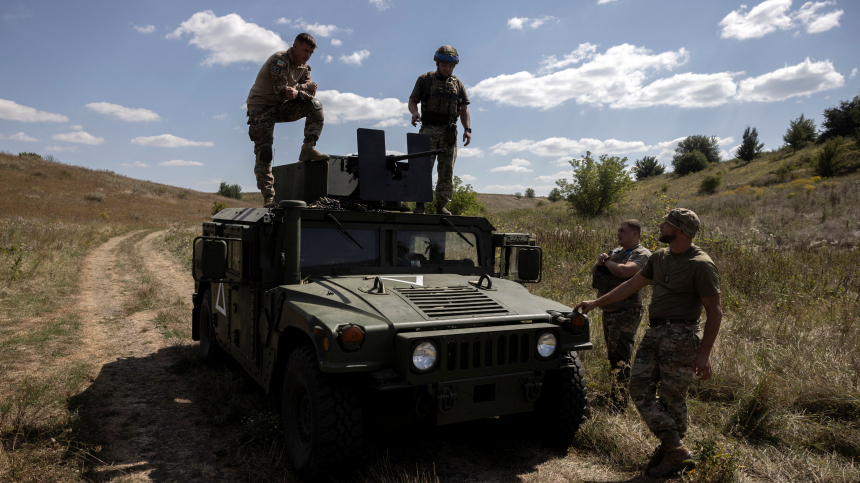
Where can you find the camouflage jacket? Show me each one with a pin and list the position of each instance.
(277, 73)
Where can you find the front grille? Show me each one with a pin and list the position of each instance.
(452, 302)
(489, 350)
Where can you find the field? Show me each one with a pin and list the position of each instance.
(99, 380)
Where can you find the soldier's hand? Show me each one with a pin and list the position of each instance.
(416, 118)
(586, 306)
(292, 93)
(311, 87)
(601, 259)
(702, 366)
(467, 138)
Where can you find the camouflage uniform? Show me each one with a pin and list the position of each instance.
(267, 105)
(441, 100)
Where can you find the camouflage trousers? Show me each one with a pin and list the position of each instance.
(619, 330)
(445, 166)
(662, 373)
(261, 129)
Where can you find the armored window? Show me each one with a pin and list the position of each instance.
(420, 248)
(323, 248)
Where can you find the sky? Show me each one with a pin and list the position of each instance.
(156, 89)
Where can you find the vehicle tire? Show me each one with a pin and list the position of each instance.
(210, 352)
(563, 403)
(322, 418)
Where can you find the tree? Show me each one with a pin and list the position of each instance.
(708, 146)
(596, 185)
(710, 183)
(750, 148)
(230, 191)
(518, 195)
(843, 120)
(691, 162)
(647, 167)
(801, 132)
(827, 164)
(554, 195)
(464, 202)
(530, 193)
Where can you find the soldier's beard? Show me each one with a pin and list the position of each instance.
(668, 237)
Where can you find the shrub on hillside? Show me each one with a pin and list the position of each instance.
(647, 167)
(691, 162)
(217, 206)
(465, 201)
(518, 195)
(95, 196)
(800, 132)
(708, 146)
(230, 191)
(29, 155)
(554, 195)
(843, 120)
(750, 148)
(597, 184)
(710, 183)
(530, 193)
(827, 163)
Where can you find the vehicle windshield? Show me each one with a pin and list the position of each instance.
(420, 248)
(327, 247)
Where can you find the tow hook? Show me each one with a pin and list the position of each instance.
(446, 399)
(532, 388)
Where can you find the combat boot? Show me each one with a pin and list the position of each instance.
(310, 153)
(441, 210)
(676, 458)
(656, 457)
(419, 208)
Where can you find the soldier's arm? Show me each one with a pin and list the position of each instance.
(307, 89)
(620, 292)
(622, 270)
(413, 109)
(466, 120)
(714, 313)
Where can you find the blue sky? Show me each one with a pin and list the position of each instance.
(155, 89)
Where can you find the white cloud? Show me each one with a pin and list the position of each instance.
(219, 117)
(772, 15)
(551, 63)
(568, 148)
(346, 106)
(328, 59)
(553, 177)
(168, 141)
(79, 137)
(813, 21)
(601, 2)
(211, 181)
(356, 57)
(315, 29)
(515, 166)
(520, 23)
(136, 164)
(229, 38)
(20, 136)
(503, 187)
(467, 178)
(470, 153)
(381, 4)
(76, 127)
(180, 162)
(12, 111)
(803, 79)
(128, 114)
(145, 30)
(683, 90)
(391, 122)
(853, 73)
(605, 78)
(60, 149)
(336, 42)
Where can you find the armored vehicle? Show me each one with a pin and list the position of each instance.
(353, 317)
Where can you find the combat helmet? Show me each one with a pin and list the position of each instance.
(446, 53)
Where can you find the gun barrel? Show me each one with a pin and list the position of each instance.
(401, 157)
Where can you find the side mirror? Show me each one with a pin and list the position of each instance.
(529, 264)
(210, 259)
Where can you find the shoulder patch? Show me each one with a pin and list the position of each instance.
(280, 63)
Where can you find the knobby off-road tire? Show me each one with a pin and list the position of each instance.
(210, 352)
(563, 403)
(322, 418)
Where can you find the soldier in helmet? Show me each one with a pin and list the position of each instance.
(672, 353)
(283, 92)
(443, 99)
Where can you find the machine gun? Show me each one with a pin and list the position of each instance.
(370, 175)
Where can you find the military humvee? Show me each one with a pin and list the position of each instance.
(341, 314)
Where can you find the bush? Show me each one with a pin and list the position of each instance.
(29, 155)
(706, 145)
(710, 183)
(647, 167)
(95, 196)
(518, 195)
(597, 185)
(691, 162)
(465, 201)
(230, 191)
(554, 195)
(217, 206)
(827, 163)
(530, 193)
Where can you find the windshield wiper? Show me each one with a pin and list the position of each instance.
(446, 220)
(343, 230)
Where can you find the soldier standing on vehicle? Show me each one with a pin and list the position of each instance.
(620, 319)
(283, 92)
(672, 353)
(443, 99)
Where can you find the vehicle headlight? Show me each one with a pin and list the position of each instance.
(424, 356)
(546, 344)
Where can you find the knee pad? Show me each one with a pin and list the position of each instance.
(266, 154)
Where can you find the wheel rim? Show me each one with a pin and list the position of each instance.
(302, 417)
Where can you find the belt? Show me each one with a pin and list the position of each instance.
(657, 322)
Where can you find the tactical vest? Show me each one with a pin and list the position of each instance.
(440, 105)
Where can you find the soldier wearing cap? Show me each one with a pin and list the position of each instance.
(283, 92)
(620, 319)
(443, 99)
(672, 352)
